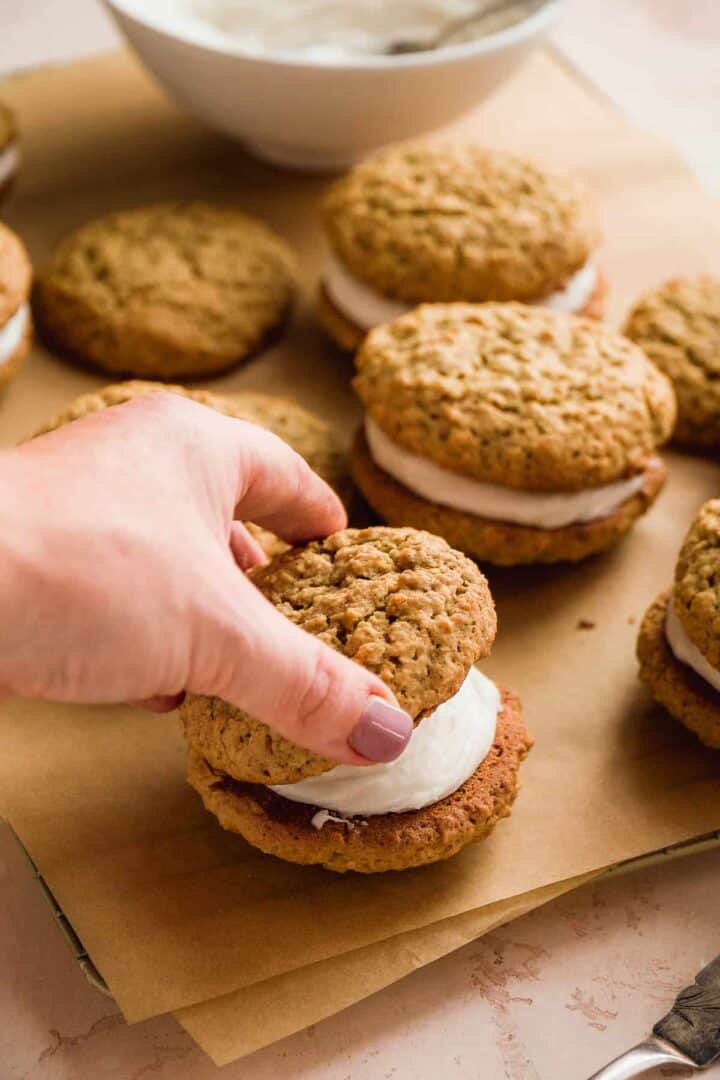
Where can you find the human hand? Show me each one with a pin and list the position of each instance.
(121, 575)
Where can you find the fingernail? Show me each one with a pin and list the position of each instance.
(382, 732)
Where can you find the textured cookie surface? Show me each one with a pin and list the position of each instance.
(678, 326)
(400, 602)
(15, 273)
(697, 582)
(515, 395)
(166, 290)
(459, 222)
(499, 542)
(682, 691)
(386, 842)
(307, 433)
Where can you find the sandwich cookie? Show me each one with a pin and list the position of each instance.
(416, 613)
(15, 320)
(454, 222)
(678, 327)
(518, 433)
(9, 150)
(166, 291)
(306, 433)
(679, 642)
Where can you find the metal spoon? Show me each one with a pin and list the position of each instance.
(456, 26)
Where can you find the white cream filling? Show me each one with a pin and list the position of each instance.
(9, 161)
(686, 651)
(538, 509)
(11, 334)
(444, 751)
(575, 293)
(327, 30)
(366, 308)
(357, 301)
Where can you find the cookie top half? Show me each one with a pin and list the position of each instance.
(697, 582)
(401, 602)
(459, 222)
(166, 290)
(514, 395)
(15, 273)
(678, 327)
(308, 434)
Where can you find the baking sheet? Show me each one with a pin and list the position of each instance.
(173, 911)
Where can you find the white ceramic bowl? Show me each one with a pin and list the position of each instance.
(317, 116)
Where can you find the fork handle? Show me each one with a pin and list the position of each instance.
(645, 1056)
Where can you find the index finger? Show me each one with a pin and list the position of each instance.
(278, 490)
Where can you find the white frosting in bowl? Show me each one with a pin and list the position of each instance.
(329, 30)
(366, 308)
(444, 751)
(538, 509)
(686, 651)
(11, 334)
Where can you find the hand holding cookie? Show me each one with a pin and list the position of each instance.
(121, 575)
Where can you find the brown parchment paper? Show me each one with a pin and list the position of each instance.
(173, 911)
(236, 1024)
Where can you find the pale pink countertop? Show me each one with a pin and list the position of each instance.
(553, 995)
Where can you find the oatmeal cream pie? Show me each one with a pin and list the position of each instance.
(419, 615)
(9, 149)
(518, 433)
(454, 222)
(307, 433)
(678, 327)
(15, 320)
(679, 640)
(166, 291)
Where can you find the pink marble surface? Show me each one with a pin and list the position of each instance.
(550, 997)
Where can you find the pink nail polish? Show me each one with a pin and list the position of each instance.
(382, 732)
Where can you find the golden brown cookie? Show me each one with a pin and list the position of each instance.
(400, 602)
(9, 149)
(684, 693)
(678, 326)
(513, 395)
(499, 542)
(307, 433)
(505, 402)
(697, 582)
(388, 841)
(15, 320)
(459, 222)
(451, 222)
(169, 290)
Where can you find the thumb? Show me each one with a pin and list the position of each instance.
(263, 663)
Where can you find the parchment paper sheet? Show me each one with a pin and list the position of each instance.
(173, 911)
(236, 1024)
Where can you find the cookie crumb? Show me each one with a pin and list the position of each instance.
(585, 624)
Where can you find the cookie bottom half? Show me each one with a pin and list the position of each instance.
(284, 828)
(685, 695)
(349, 337)
(499, 542)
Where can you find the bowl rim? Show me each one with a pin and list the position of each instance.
(488, 43)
